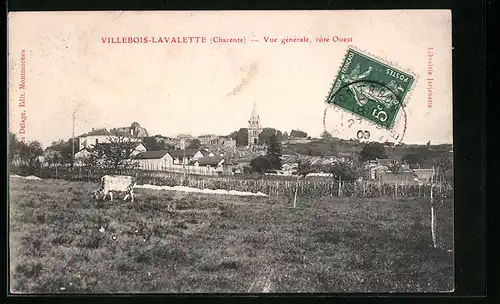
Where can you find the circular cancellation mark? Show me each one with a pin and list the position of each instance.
(339, 119)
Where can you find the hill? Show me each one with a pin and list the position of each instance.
(349, 148)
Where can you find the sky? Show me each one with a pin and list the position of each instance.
(211, 87)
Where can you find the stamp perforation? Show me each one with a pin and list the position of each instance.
(384, 62)
(393, 64)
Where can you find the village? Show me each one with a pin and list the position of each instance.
(225, 155)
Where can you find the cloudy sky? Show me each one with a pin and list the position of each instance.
(210, 88)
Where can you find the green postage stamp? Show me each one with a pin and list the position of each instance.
(370, 89)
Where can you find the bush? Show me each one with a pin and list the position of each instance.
(261, 164)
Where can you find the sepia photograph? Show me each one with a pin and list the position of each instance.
(252, 152)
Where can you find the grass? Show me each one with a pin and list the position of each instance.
(174, 242)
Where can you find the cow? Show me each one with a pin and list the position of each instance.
(116, 183)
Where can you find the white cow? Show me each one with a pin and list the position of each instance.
(116, 183)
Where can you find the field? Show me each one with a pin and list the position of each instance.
(63, 241)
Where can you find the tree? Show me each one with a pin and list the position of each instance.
(35, 150)
(285, 135)
(117, 153)
(371, 151)
(396, 168)
(444, 167)
(298, 133)
(233, 135)
(326, 135)
(242, 137)
(413, 159)
(153, 144)
(91, 160)
(64, 150)
(23, 151)
(13, 147)
(265, 135)
(194, 144)
(274, 152)
(261, 164)
(53, 157)
(167, 146)
(305, 168)
(346, 171)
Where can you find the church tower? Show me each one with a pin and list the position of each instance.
(254, 128)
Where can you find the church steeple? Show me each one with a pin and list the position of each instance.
(254, 128)
(254, 111)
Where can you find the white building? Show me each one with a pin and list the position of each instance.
(154, 160)
(183, 157)
(99, 136)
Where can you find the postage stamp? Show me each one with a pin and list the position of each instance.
(370, 88)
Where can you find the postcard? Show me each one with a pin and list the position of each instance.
(239, 152)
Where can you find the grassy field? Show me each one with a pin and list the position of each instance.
(174, 242)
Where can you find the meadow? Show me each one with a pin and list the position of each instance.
(63, 241)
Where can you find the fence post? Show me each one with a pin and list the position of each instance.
(296, 190)
(433, 220)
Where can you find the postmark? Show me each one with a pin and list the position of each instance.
(341, 123)
(371, 89)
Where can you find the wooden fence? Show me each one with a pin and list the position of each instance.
(266, 184)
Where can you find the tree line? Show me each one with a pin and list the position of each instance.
(241, 136)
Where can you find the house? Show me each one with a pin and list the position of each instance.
(226, 142)
(374, 172)
(186, 137)
(385, 162)
(183, 157)
(424, 175)
(208, 161)
(83, 155)
(154, 160)
(208, 139)
(289, 166)
(97, 136)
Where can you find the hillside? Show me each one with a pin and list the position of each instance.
(348, 148)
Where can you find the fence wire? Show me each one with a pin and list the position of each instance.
(316, 187)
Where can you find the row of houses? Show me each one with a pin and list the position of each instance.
(159, 160)
(379, 170)
(135, 131)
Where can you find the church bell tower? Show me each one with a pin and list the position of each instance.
(254, 128)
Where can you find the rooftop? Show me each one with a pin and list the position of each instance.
(105, 132)
(151, 154)
(209, 160)
(186, 152)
